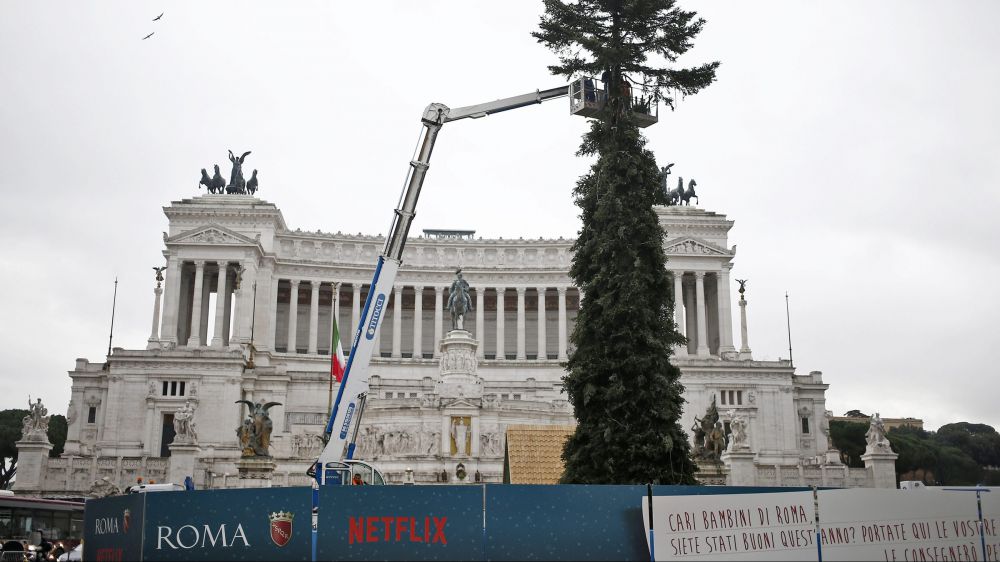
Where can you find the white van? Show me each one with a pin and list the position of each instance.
(144, 488)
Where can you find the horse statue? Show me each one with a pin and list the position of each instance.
(689, 193)
(218, 182)
(252, 183)
(459, 301)
(674, 195)
(206, 181)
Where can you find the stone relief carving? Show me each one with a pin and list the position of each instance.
(306, 445)
(103, 488)
(489, 444)
(376, 441)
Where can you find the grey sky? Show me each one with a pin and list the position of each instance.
(855, 145)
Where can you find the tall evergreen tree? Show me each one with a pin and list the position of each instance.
(625, 392)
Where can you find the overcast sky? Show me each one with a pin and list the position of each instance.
(854, 143)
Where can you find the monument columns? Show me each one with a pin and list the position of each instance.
(314, 318)
(154, 335)
(438, 315)
(171, 301)
(501, 352)
(542, 354)
(679, 309)
(397, 322)
(194, 340)
(355, 308)
(293, 316)
(418, 321)
(699, 280)
(520, 322)
(562, 322)
(725, 312)
(221, 291)
(480, 321)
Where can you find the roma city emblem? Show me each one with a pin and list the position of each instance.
(126, 519)
(281, 527)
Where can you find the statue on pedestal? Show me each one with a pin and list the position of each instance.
(459, 301)
(875, 436)
(255, 432)
(184, 425)
(738, 436)
(709, 435)
(35, 425)
(459, 435)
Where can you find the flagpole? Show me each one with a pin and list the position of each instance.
(333, 346)
(114, 300)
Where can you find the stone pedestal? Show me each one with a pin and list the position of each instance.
(32, 460)
(740, 467)
(880, 465)
(459, 365)
(182, 461)
(255, 472)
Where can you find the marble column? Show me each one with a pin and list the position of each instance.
(562, 323)
(293, 316)
(397, 322)
(699, 279)
(520, 322)
(314, 318)
(194, 340)
(229, 307)
(501, 351)
(154, 335)
(679, 310)
(725, 312)
(355, 308)
(542, 352)
(418, 321)
(480, 322)
(221, 290)
(744, 341)
(438, 318)
(206, 293)
(171, 301)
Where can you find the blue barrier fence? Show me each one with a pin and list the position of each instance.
(493, 522)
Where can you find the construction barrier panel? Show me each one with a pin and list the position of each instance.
(515, 522)
(400, 523)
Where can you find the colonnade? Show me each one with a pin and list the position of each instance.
(703, 313)
(489, 314)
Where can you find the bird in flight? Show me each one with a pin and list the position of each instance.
(148, 36)
(158, 17)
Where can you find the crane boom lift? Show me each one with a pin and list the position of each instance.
(354, 386)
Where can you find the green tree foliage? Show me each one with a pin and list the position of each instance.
(957, 454)
(849, 439)
(10, 433)
(11, 422)
(625, 392)
(979, 440)
(57, 434)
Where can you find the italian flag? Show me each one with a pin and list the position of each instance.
(337, 363)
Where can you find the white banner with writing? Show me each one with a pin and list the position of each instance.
(867, 524)
(769, 526)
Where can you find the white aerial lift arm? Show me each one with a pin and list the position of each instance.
(354, 386)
